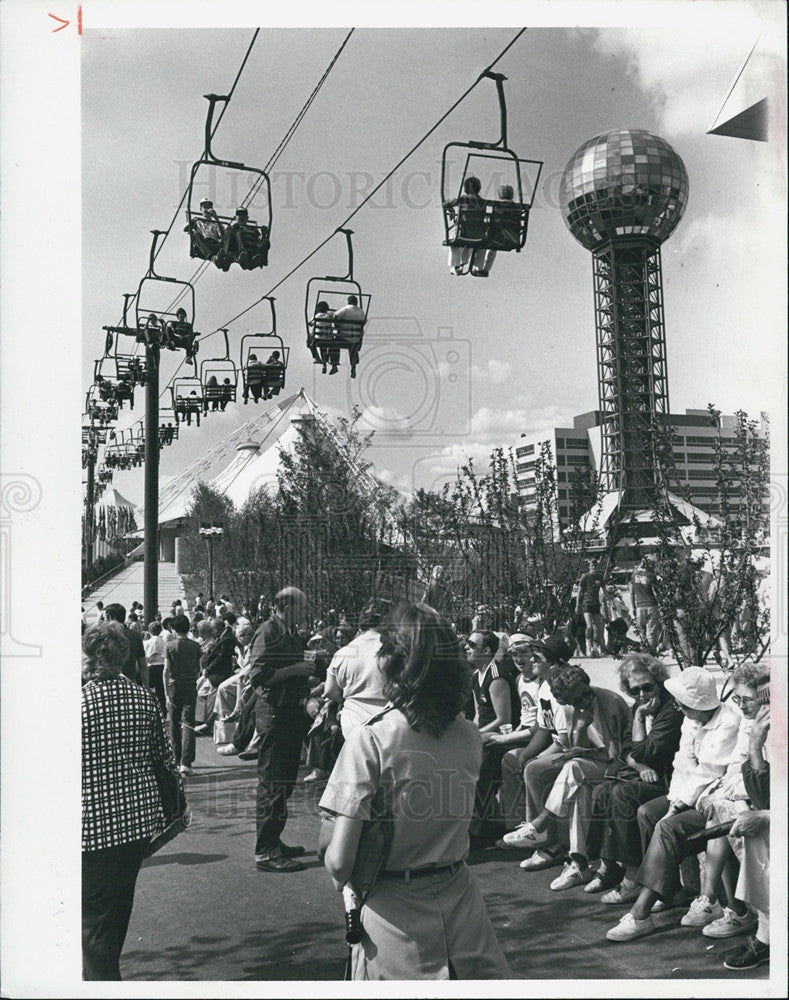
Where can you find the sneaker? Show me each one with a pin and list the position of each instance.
(545, 858)
(525, 836)
(622, 894)
(629, 928)
(752, 954)
(316, 775)
(228, 750)
(185, 769)
(248, 754)
(572, 875)
(730, 924)
(701, 912)
(609, 879)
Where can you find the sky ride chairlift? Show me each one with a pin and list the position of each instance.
(166, 326)
(110, 390)
(168, 426)
(188, 399)
(128, 366)
(226, 239)
(263, 361)
(219, 379)
(342, 326)
(473, 223)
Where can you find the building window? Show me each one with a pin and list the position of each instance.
(562, 494)
(562, 477)
(560, 442)
(560, 460)
(576, 443)
(577, 460)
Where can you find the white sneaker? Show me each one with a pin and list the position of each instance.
(572, 875)
(183, 769)
(701, 912)
(629, 928)
(525, 836)
(622, 894)
(730, 924)
(228, 750)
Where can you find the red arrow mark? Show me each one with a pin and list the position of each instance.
(63, 24)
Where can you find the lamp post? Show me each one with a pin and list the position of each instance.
(211, 532)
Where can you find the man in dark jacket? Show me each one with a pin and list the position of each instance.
(218, 662)
(278, 670)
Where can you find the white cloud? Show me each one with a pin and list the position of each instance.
(383, 420)
(689, 63)
(493, 371)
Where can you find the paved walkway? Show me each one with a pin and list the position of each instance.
(127, 586)
(203, 912)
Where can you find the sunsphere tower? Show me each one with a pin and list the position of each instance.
(622, 194)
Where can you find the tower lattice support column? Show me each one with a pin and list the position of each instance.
(631, 364)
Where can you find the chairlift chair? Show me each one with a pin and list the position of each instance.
(254, 242)
(168, 426)
(268, 378)
(219, 369)
(184, 404)
(181, 293)
(324, 339)
(487, 224)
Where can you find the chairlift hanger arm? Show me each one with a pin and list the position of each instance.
(348, 239)
(208, 155)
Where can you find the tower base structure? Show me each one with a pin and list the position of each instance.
(630, 532)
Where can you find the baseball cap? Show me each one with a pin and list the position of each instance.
(553, 647)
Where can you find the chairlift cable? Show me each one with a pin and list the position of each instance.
(375, 190)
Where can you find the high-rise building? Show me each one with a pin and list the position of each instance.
(579, 447)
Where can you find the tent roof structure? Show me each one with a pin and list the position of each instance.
(247, 460)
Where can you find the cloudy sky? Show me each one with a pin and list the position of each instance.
(452, 366)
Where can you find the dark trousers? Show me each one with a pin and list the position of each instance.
(156, 684)
(108, 880)
(282, 732)
(614, 834)
(487, 818)
(182, 725)
(246, 724)
(665, 846)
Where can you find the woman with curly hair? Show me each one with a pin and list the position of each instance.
(123, 739)
(641, 774)
(416, 762)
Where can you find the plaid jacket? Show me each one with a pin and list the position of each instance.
(122, 737)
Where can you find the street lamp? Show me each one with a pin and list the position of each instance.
(211, 532)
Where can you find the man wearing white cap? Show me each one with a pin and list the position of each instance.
(708, 740)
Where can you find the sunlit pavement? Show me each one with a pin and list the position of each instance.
(203, 911)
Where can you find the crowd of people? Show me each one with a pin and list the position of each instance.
(652, 801)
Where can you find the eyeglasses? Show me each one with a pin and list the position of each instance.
(641, 688)
(738, 700)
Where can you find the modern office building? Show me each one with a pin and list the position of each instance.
(580, 446)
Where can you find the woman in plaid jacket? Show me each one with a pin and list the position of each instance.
(123, 739)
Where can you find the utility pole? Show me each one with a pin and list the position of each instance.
(151, 526)
(89, 506)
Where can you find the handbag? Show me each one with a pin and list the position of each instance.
(224, 731)
(177, 815)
